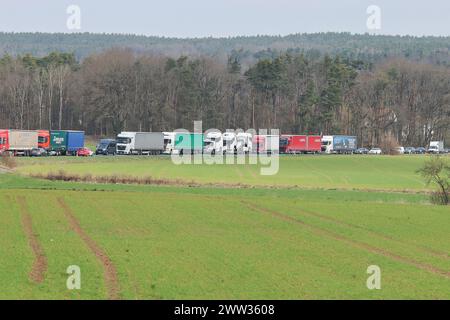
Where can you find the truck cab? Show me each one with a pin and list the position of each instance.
(327, 144)
(4, 143)
(244, 142)
(125, 142)
(169, 142)
(229, 142)
(44, 139)
(213, 143)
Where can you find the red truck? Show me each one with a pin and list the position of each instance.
(300, 144)
(44, 139)
(4, 143)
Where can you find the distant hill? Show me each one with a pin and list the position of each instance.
(355, 46)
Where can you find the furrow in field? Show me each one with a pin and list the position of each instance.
(324, 232)
(426, 250)
(40, 265)
(110, 272)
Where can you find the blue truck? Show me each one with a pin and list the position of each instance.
(339, 144)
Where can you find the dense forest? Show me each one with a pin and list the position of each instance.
(371, 48)
(297, 92)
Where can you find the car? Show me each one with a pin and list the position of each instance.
(434, 150)
(421, 150)
(362, 151)
(106, 147)
(410, 150)
(38, 152)
(375, 151)
(84, 152)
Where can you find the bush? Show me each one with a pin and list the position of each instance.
(389, 145)
(439, 198)
(7, 160)
(437, 171)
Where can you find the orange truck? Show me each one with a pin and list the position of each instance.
(44, 139)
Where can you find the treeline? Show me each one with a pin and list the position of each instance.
(322, 94)
(250, 48)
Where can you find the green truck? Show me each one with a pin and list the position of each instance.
(66, 141)
(189, 142)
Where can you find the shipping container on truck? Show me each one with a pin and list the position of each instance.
(44, 139)
(149, 142)
(300, 144)
(140, 143)
(293, 143)
(21, 142)
(75, 141)
(344, 144)
(189, 142)
(339, 144)
(314, 144)
(58, 141)
(66, 142)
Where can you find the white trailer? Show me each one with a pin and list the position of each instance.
(21, 142)
(140, 143)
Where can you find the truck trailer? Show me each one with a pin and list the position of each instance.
(266, 144)
(139, 143)
(300, 144)
(66, 142)
(189, 142)
(18, 142)
(339, 144)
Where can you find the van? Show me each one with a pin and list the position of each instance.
(106, 147)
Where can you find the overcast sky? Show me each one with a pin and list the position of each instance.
(199, 18)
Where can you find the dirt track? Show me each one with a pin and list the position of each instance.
(354, 243)
(110, 273)
(37, 273)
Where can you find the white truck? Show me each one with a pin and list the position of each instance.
(140, 143)
(169, 142)
(213, 143)
(244, 143)
(436, 147)
(229, 143)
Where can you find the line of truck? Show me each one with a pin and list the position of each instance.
(229, 143)
(57, 142)
(71, 142)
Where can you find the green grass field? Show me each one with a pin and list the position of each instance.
(312, 237)
(344, 172)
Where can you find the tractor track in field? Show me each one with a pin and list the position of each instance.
(356, 244)
(110, 272)
(40, 264)
(426, 250)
